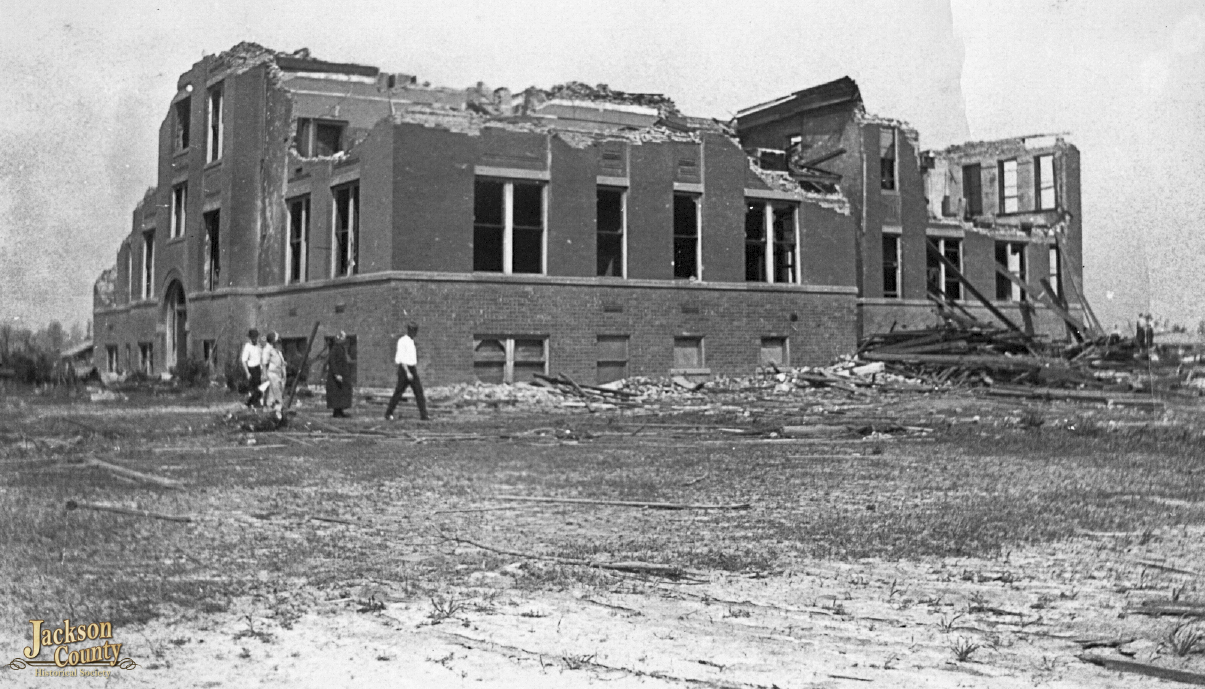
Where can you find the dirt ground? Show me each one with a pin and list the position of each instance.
(914, 540)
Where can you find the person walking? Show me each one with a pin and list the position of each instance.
(275, 367)
(406, 359)
(251, 358)
(338, 377)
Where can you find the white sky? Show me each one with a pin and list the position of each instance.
(84, 87)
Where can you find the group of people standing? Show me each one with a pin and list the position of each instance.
(1144, 331)
(264, 365)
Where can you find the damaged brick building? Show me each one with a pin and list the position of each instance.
(577, 229)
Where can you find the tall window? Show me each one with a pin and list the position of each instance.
(770, 242)
(1010, 255)
(213, 249)
(1056, 270)
(972, 190)
(891, 266)
(611, 223)
(183, 122)
(319, 137)
(146, 357)
(686, 237)
(179, 209)
(216, 124)
(508, 226)
(887, 157)
(1008, 186)
(1043, 170)
(130, 273)
(148, 263)
(347, 230)
(939, 280)
(111, 362)
(299, 237)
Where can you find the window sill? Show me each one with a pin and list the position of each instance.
(175, 240)
(690, 372)
(213, 164)
(180, 152)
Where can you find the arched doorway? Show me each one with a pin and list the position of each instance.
(175, 321)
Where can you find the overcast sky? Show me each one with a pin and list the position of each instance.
(84, 87)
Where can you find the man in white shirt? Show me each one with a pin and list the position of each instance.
(406, 359)
(251, 359)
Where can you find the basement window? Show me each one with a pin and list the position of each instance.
(345, 259)
(179, 209)
(972, 190)
(299, 237)
(611, 354)
(1010, 255)
(317, 138)
(688, 353)
(773, 352)
(216, 125)
(213, 249)
(1044, 194)
(939, 280)
(612, 220)
(146, 357)
(503, 359)
(887, 158)
(183, 122)
(687, 248)
(148, 264)
(891, 266)
(508, 227)
(771, 234)
(1008, 186)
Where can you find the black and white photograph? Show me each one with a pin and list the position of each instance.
(662, 344)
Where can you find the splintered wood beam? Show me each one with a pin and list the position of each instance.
(953, 269)
(305, 362)
(1039, 293)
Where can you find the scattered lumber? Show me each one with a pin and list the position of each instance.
(1144, 669)
(101, 507)
(813, 431)
(667, 571)
(1168, 610)
(625, 503)
(1090, 642)
(131, 474)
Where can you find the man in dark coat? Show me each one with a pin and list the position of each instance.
(338, 377)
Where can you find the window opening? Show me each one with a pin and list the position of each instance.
(773, 352)
(972, 190)
(1043, 168)
(688, 353)
(611, 219)
(940, 280)
(347, 230)
(299, 237)
(891, 266)
(686, 237)
(148, 263)
(146, 357)
(179, 209)
(1011, 255)
(213, 249)
(508, 227)
(611, 354)
(216, 124)
(502, 359)
(317, 138)
(887, 157)
(1008, 186)
(183, 123)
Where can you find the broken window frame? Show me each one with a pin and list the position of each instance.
(889, 159)
(1045, 195)
(771, 256)
(211, 221)
(306, 139)
(608, 263)
(612, 353)
(179, 210)
(483, 260)
(148, 263)
(182, 111)
(972, 176)
(1010, 200)
(1007, 290)
(298, 244)
(345, 229)
(891, 268)
(944, 282)
(217, 124)
(688, 237)
(509, 358)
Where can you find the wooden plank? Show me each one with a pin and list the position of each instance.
(999, 361)
(624, 503)
(135, 475)
(971, 288)
(1145, 669)
(1039, 293)
(100, 507)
